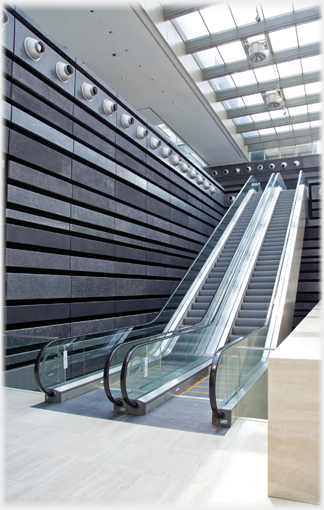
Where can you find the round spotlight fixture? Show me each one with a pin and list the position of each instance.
(272, 166)
(226, 171)
(184, 167)
(248, 169)
(141, 132)
(237, 170)
(34, 48)
(166, 152)
(109, 107)
(296, 163)
(273, 100)
(230, 199)
(212, 189)
(155, 143)
(199, 179)
(206, 184)
(284, 164)
(192, 173)
(257, 52)
(260, 167)
(215, 172)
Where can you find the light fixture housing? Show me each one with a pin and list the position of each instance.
(257, 52)
(273, 100)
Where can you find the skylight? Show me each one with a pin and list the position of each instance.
(309, 32)
(310, 64)
(276, 114)
(208, 58)
(232, 52)
(248, 134)
(191, 26)
(301, 125)
(265, 73)
(224, 82)
(297, 91)
(272, 9)
(315, 107)
(252, 99)
(291, 68)
(233, 103)
(283, 129)
(315, 123)
(242, 120)
(268, 131)
(298, 110)
(218, 18)
(259, 117)
(243, 14)
(283, 39)
(313, 88)
(244, 78)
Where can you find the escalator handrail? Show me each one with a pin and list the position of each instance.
(62, 340)
(219, 353)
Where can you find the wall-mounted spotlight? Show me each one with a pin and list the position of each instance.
(64, 71)
(237, 170)
(166, 152)
(284, 164)
(184, 167)
(109, 107)
(155, 143)
(175, 160)
(296, 163)
(127, 120)
(141, 132)
(215, 172)
(192, 173)
(34, 48)
(248, 169)
(4, 18)
(226, 171)
(199, 179)
(260, 167)
(272, 166)
(212, 189)
(257, 52)
(273, 100)
(230, 199)
(89, 91)
(206, 184)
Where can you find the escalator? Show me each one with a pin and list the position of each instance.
(252, 268)
(70, 364)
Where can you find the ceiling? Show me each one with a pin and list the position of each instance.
(186, 68)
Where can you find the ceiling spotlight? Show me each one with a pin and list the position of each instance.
(272, 100)
(257, 52)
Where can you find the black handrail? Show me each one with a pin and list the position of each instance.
(36, 369)
(117, 402)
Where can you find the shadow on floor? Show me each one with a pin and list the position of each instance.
(179, 413)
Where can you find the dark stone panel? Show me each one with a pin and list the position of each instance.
(93, 217)
(310, 267)
(6, 88)
(38, 154)
(131, 148)
(181, 181)
(310, 243)
(130, 162)
(79, 244)
(130, 212)
(311, 252)
(131, 178)
(156, 303)
(92, 265)
(180, 193)
(129, 241)
(88, 197)
(162, 287)
(92, 178)
(23, 173)
(183, 206)
(130, 305)
(92, 308)
(35, 237)
(126, 252)
(92, 122)
(124, 226)
(130, 195)
(6, 64)
(155, 235)
(131, 320)
(94, 326)
(41, 109)
(34, 259)
(37, 313)
(38, 286)
(195, 246)
(178, 217)
(176, 241)
(131, 287)
(5, 139)
(92, 286)
(154, 221)
(37, 201)
(124, 268)
(93, 141)
(310, 161)
(309, 286)
(41, 88)
(159, 208)
(166, 272)
(168, 260)
(101, 234)
(37, 335)
(158, 179)
(157, 166)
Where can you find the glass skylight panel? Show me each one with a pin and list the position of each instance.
(268, 131)
(243, 13)
(277, 114)
(252, 99)
(233, 103)
(297, 110)
(232, 52)
(301, 125)
(315, 107)
(298, 91)
(283, 129)
(291, 68)
(310, 64)
(246, 119)
(288, 151)
(266, 73)
(259, 117)
(303, 4)
(283, 39)
(218, 18)
(309, 32)
(272, 9)
(208, 58)
(222, 83)
(313, 88)
(191, 26)
(248, 134)
(244, 78)
(315, 123)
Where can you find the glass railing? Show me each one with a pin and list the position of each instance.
(234, 364)
(65, 360)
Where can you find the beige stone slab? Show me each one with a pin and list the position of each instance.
(139, 457)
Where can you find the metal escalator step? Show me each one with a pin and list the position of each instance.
(259, 292)
(196, 313)
(259, 298)
(265, 285)
(191, 321)
(264, 273)
(255, 306)
(262, 279)
(210, 286)
(203, 299)
(257, 314)
(200, 306)
(242, 331)
(249, 322)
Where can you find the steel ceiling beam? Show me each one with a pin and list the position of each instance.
(291, 81)
(255, 140)
(285, 121)
(233, 34)
(260, 108)
(171, 10)
(308, 50)
(283, 143)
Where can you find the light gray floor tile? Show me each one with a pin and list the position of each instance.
(155, 436)
(132, 456)
(90, 450)
(116, 430)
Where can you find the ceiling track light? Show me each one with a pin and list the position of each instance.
(257, 52)
(273, 100)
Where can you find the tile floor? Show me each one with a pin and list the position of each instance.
(67, 458)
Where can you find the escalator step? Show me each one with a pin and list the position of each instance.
(249, 322)
(254, 313)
